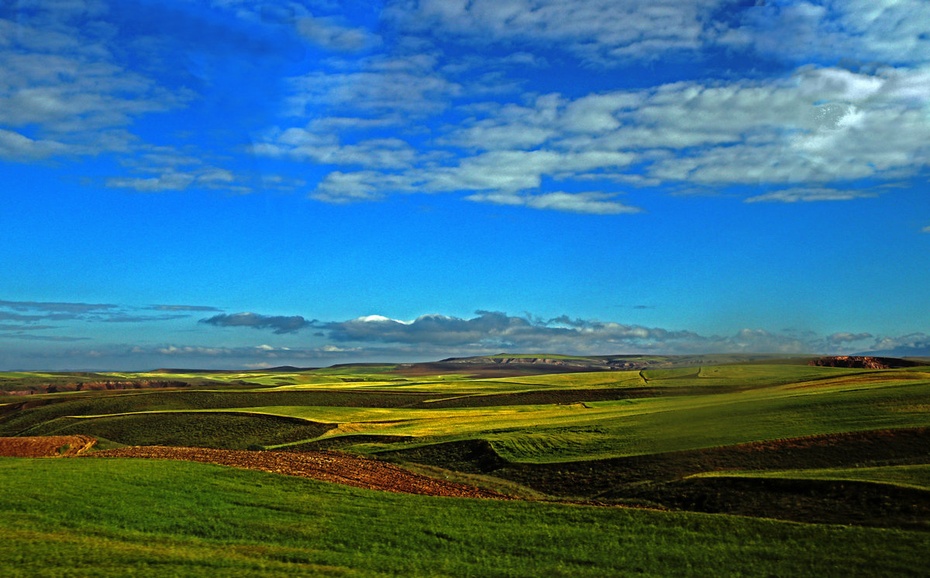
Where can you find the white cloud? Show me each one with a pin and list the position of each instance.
(911, 344)
(588, 203)
(172, 179)
(810, 194)
(609, 33)
(310, 144)
(61, 89)
(492, 332)
(155, 169)
(63, 92)
(761, 341)
(169, 181)
(598, 31)
(342, 187)
(395, 88)
(16, 147)
(330, 33)
(885, 31)
(842, 338)
(818, 129)
(380, 319)
(280, 324)
(822, 127)
(500, 171)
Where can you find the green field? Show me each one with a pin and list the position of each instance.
(917, 477)
(83, 517)
(762, 467)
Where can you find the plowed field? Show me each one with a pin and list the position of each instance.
(326, 466)
(45, 446)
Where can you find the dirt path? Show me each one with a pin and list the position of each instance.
(326, 466)
(45, 446)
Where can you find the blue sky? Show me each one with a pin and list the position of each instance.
(237, 184)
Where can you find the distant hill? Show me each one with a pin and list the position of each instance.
(863, 362)
(514, 364)
(278, 369)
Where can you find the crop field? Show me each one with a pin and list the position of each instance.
(683, 466)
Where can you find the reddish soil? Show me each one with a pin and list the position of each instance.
(334, 467)
(45, 446)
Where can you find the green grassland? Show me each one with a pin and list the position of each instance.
(84, 517)
(915, 476)
(840, 455)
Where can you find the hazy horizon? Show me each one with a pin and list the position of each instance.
(241, 185)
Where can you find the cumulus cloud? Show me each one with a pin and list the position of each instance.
(329, 33)
(913, 344)
(809, 135)
(395, 88)
(823, 125)
(491, 331)
(839, 338)
(602, 32)
(62, 90)
(864, 30)
(311, 144)
(503, 172)
(434, 335)
(16, 147)
(277, 323)
(65, 89)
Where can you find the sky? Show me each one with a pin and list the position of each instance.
(241, 184)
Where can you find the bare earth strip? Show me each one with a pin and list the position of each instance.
(325, 466)
(45, 446)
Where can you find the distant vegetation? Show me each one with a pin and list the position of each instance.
(799, 440)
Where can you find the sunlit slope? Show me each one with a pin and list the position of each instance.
(598, 429)
(909, 476)
(538, 418)
(658, 410)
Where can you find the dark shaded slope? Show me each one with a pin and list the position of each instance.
(662, 479)
(200, 429)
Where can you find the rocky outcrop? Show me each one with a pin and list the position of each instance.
(862, 362)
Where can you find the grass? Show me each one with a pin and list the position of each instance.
(539, 418)
(910, 476)
(656, 437)
(86, 517)
(202, 429)
(597, 430)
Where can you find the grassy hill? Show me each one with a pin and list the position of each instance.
(713, 443)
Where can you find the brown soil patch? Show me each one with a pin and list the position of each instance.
(333, 467)
(45, 446)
